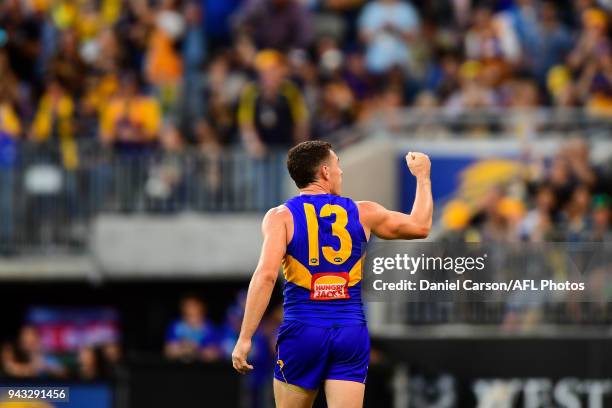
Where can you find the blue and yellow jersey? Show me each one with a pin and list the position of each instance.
(322, 265)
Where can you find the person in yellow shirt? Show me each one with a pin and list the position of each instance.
(53, 125)
(131, 123)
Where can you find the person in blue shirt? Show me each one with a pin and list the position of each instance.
(192, 337)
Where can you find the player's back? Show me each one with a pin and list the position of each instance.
(323, 262)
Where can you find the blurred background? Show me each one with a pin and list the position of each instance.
(142, 140)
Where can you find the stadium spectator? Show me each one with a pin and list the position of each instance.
(538, 224)
(27, 359)
(163, 63)
(388, 28)
(279, 24)
(263, 348)
(384, 111)
(336, 110)
(53, 125)
(217, 16)
(23, 29)
(165, 186)
(594, 86)
(192, 337)
(575, 222)
(544, 39)
(93, 364)
(231, 327)
(442, 76)
(593, 40)
(132, 120)
(600, 230)
(66, 65)
(356, 75)
(193, 54)
(491, 38)
(272, 117)
(473, 92)
(193, 48)
(221, 91)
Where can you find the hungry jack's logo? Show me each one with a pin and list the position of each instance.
(329, 286)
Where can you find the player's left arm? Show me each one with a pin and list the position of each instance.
(389, 224)
(262, 284)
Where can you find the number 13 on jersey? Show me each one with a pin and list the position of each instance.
(338, 229)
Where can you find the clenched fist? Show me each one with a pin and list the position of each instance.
(418, 163)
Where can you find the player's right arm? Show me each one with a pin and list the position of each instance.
(389, 224)
(262, 283)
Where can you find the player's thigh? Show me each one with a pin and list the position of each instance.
(344, 394)
(288, 396)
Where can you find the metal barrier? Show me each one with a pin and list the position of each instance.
(485, 123)
(47, 205)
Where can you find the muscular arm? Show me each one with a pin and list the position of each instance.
(262, 283)
(388, 224)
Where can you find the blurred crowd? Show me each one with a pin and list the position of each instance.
(30, 356)
(136, 75)
(102, 97)
(194, 337)
(565, 198)
(80, 352)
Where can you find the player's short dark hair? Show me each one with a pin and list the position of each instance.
(304, 159)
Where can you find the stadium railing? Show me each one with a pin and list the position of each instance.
(483, 123)
(47, 204)
(47, 201)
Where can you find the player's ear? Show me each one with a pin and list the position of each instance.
(325, 172)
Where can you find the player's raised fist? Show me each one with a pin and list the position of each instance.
(418, 163)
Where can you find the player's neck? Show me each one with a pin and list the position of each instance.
(314, 188)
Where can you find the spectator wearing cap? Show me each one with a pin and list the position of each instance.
(272, 113)
(272, 117)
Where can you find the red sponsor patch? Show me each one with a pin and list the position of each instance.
(329, 286)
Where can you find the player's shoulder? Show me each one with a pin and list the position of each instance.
(369, 207)
(279, 214)
(370, 212)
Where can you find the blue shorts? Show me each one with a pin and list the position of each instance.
(308, 355)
